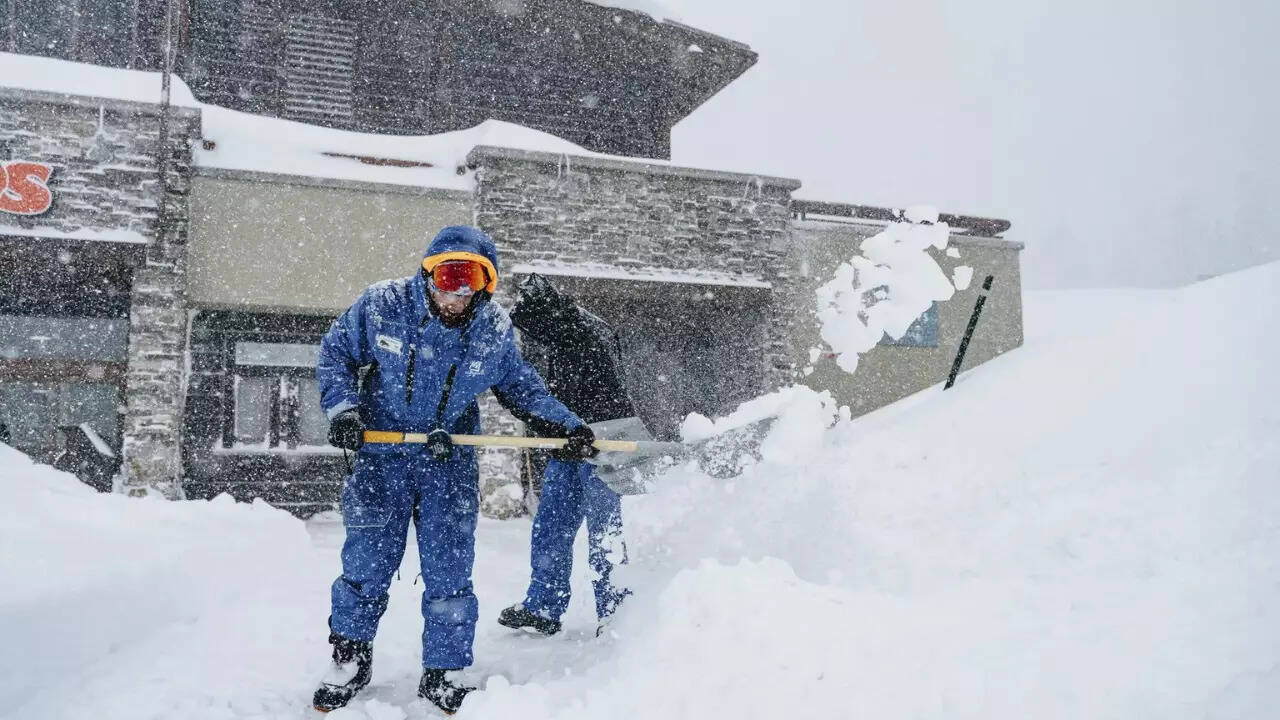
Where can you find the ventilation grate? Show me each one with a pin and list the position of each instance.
(320, 55)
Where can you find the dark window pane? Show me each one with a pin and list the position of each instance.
(105, 339)
(94, 403)
(253, 408)
(314, 426)
(30, 410)
(922, 333)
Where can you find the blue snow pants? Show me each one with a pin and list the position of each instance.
(386, 491)
(571, 492)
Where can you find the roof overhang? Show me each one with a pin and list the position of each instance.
(697, 63)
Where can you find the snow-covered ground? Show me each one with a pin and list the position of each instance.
(1088, 527)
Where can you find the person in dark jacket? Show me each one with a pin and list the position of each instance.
(411, 355)
(584, 372)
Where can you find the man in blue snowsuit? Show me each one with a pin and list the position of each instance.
(584, 371)
(411, 355)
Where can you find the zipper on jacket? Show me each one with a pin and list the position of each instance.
(444, 396)
(408, 375)
(448, 380)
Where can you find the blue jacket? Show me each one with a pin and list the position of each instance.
(412, 358)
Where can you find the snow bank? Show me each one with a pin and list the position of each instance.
(87, 574)
(1086, 528)
(886, 288)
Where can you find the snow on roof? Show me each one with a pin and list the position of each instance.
(29, 72)
(244, 141)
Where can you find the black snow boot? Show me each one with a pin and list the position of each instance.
(441, 692)
(518, 617)
(351, 670)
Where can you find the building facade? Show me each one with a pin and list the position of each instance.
(606, 78)
(176, 304)
(92, 328)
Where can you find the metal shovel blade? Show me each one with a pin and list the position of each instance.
(723, 455)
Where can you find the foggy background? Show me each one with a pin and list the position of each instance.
(1131, 143)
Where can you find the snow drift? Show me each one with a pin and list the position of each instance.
(88, 575)
(1086, 527)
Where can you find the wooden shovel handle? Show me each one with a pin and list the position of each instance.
(387, 436)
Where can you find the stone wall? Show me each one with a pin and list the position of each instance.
(630, 222)
(105, 175)
(156, 375)
(106, 188)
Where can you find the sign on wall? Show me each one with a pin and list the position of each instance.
(25, 187)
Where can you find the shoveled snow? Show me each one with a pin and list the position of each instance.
(1083, 528)
(885, 288)
(926, 214)
(697, 427)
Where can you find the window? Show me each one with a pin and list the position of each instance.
(253, 409)
(33, 410)
(68, 338)
(922, 333)
(276, 401)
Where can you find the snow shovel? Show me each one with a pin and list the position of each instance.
(627, 465)
(618, 457)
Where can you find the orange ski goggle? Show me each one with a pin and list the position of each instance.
(459, 277)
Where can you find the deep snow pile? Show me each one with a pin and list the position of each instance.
(106, 599)
(1087, 527)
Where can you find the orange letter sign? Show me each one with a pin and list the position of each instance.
(26, 188)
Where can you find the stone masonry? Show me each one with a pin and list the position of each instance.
(607, 215)
(106, 187)
(156, 376)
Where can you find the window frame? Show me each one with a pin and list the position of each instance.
(284, 430)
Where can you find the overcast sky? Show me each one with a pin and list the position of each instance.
(1130, 143)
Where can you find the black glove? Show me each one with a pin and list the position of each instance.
(440, 445)
(579, 447)
(347, 430)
